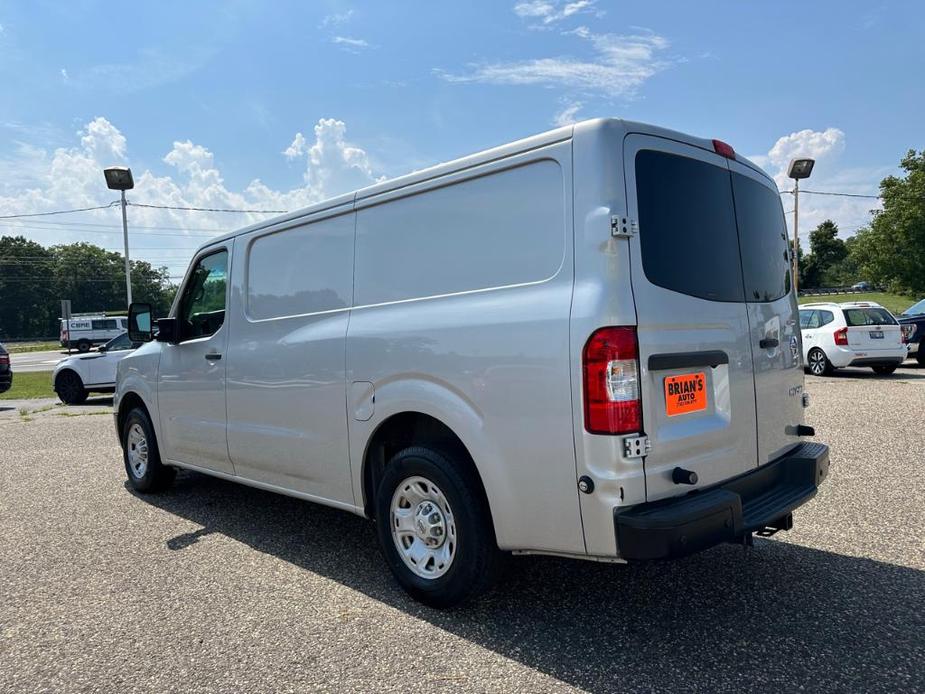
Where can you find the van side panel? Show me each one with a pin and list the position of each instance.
(462, 303)
(285, 380)
(603, 297)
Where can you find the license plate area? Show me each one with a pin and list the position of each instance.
(876, 334)
(685, 393)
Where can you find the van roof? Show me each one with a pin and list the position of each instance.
(477, 159)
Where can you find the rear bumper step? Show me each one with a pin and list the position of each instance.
(758, 500)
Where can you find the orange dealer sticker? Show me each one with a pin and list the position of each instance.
(685, 393)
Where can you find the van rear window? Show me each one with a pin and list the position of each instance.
(687, 226)
(710, 233)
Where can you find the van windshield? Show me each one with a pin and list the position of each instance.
(710, 233)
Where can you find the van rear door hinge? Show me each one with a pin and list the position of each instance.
(622, 226)
(636, 446)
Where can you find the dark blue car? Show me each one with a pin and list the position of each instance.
(6, 372)
(915, 316)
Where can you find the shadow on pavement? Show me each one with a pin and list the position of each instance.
(776, 617)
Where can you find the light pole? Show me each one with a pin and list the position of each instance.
(120, 178)
(799, 168)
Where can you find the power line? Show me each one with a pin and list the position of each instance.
(46, 214)
(826, 192)
(205, 209)
(31, 228)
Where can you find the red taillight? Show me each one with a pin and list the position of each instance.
(610, 363)
(4, 359)
(724, 150)
(841, 337)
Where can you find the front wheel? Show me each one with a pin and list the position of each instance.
(434, 527)
(70, 388)
(142, 459)
(818, 363)
(884, 370)
(920, 355)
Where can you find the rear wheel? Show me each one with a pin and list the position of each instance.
(435, 528)
(818, 363)
(884, 370)
(142, 458)
(70, 388)
(83, 346)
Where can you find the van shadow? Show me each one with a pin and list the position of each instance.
(776, 617)
(907, 372)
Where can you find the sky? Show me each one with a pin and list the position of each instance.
(274, 106)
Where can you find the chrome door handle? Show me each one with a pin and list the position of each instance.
(213, 356)
(768, 343)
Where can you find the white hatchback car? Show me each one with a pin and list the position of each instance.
(76, 376)
(850, 334)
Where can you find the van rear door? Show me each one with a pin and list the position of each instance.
(772, 310)
(695, 352)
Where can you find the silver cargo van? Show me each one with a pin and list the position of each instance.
(584, 343)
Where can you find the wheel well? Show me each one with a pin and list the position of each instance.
(127, 403)
(410, 429)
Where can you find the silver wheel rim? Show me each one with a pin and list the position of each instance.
(816, 362)
(423, 527)
(136, 448)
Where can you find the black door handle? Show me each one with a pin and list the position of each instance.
(213, 356)
(768, 342)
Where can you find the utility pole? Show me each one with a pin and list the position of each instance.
(128, 263)
(120, 178)
(799, 168)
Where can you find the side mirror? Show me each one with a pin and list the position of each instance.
(167, 330)
(102, 348)
(139, 323)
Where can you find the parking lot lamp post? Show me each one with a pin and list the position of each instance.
(799, 168)
(120, 178)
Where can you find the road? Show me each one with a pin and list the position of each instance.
(37, 361)
(217, 587)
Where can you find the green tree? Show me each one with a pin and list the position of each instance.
(827, 252)
(891, 250)
(34, 279)
(27, 298)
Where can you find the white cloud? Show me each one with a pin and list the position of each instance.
(549, 12)
(337, 18)
(620, 65)
(72, 177)
(568, 114)
(64, 74)
(351, 44)
(826, 147)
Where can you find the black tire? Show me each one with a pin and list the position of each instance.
(818, 364)
(884, 370)
(920, 355)
(70, 388)
(155, 476)
(83, 346)
(477, 561)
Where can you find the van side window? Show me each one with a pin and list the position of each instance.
(500, 229)
(109, 324)
(307, 269)
(763, 238)
(687, 226)
(808, 319)
(202, 306)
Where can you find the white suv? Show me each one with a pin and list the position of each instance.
(850, 334)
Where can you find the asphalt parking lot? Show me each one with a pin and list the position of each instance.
(218, 587)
